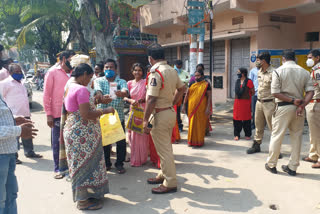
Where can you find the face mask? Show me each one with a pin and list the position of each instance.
(177, 69)
(310, 62)
(109, 73)
(200, 79)
(239, 75)
(17, 77)
(258, 64)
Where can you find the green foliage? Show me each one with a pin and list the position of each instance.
(123, 11)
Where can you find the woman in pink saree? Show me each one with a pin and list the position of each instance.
(139, 143)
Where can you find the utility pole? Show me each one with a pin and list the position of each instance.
(211, 43)
(196, 16)
(193, 52)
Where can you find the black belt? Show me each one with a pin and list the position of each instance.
(284, 104)
(264, 101)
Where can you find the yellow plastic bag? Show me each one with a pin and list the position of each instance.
(111, 129)
(135, 120)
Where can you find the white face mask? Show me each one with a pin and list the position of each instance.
(310, 62)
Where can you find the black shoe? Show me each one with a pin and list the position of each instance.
(286, 169)
(18, 161)
(272, 170)
(255, 148)
(280, 156)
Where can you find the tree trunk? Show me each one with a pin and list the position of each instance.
(103, 35)
(104, 46)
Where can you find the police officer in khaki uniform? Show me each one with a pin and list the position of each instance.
(164, 89)
(289, 83)
(313, 110)
(265, 104)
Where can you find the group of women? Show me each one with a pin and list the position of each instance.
(82, 134)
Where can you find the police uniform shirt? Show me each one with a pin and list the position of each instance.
(291, 80)
(164, 89)
(264, 82)
(315, 75)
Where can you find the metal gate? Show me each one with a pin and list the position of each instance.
(240, 57)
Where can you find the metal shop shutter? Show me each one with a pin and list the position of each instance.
(240, 57)
(218, 57)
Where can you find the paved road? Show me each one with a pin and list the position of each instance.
(217, 178)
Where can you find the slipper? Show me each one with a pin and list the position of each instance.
(309, 160)
(58, 176)
(127, 160)
(236, 138)
(89, 205)
(316, 165)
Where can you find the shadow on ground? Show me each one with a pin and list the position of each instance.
(36, 107)
(203, 196)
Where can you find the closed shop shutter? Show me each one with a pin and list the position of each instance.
(185, 50)
(240, 54)
(218, 57)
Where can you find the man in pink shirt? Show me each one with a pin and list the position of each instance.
(54, 83)
(15, 94)
(4, 73)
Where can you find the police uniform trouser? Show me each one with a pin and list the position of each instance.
(263, 115)
(283, 118)
(313, 117)
(161, 132)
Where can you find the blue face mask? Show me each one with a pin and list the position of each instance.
(109, 73)
(177, 69)
(17, 77)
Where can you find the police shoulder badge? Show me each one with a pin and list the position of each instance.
(153, 82)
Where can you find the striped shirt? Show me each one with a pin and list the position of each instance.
(8, 130)
(102, 84)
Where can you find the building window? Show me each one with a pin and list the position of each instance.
(283, 18)
(237, 20)
(312, 37)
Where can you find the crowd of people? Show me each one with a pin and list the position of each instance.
(76, 95)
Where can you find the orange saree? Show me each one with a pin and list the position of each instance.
(197, 104)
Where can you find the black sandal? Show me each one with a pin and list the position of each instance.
(121, 170)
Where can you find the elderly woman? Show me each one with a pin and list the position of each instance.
(82, 137)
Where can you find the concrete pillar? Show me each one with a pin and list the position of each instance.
(193, 54)
(201, 49)
(178, 52)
